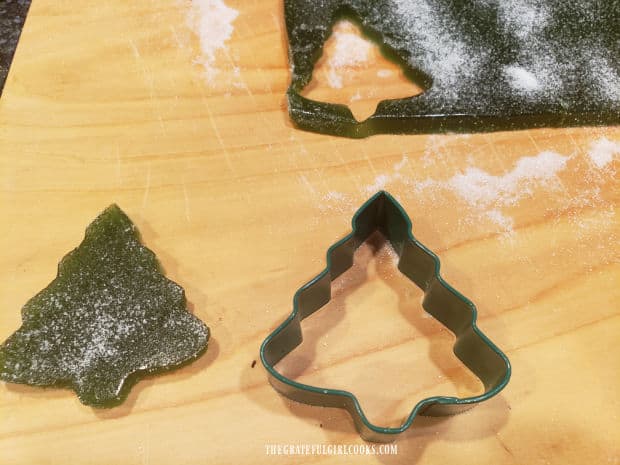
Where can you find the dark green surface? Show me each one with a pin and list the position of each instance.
(382, 213)
(465, 55)
(109, 317)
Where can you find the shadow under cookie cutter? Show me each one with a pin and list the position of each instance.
(384, 214)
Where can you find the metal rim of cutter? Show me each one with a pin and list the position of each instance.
(456, 312)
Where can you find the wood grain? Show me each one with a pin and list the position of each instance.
(108, 102)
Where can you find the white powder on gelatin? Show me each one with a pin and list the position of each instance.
(484, 56)
(521, 79)
(523, 18)
(450, 60)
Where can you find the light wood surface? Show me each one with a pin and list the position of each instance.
(109, 102)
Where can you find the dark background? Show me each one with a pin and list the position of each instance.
(12, 17)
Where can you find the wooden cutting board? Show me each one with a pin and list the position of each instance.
(126, 102)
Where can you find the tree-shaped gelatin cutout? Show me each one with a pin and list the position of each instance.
(109, 316)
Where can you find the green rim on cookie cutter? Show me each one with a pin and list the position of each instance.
(384, 214)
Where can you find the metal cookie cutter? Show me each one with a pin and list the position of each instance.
(384, 214)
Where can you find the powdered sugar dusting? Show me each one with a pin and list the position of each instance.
(550, 64)
(606, 77)
(349, 50)
(603, 151)
(450, 60)
(523, 18)
(521, 79)
(212, 21)
(487, 194)
(496, 216)
(537, 67)
(481, 189)
(382, 180)
(487, 197)
(497, 57)
(333, 195)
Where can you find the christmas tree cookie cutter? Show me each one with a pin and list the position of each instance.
(384, 214)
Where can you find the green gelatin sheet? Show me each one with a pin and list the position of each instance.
(485, 65)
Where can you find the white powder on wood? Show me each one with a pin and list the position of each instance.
(481, 189)
(488, 195)
(382, 180)
(212, 21)
(497, 217)
(349, 50)
(603, 151)
(335, 196)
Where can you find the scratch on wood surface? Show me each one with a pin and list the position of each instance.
(147, 187)
(302, 146)
(372, 168)
(319, 173)
(147, 76)
(536, 146)
(242, 83)
(119, 179)
(146, 458)
(504, 446)
(490, 144)
(257, 68)
(276, 22)
(175, 34)
(573, 141)
(355, 177)
(218, 136)
(134, 49)
(305, 182)
(186, 202)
